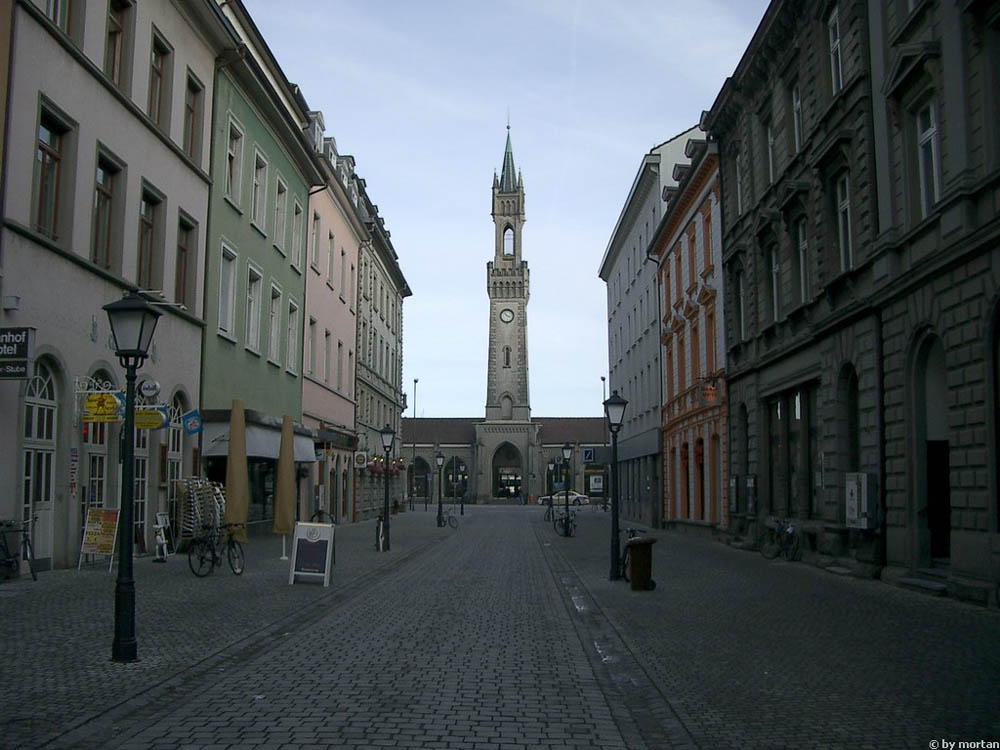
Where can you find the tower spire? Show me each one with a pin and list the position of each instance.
(508, 175)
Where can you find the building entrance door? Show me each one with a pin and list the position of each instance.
(507, 472)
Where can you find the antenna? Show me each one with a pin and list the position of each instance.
(508, 117)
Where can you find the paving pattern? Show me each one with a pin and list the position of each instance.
(497, 636)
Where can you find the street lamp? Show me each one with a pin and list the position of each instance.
(387, 436)
(614, 409)
(413, 438)
(439, 460)
(461, 472)
(552, 468)
(567, 451)
(133, 321)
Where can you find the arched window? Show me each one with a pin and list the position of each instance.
(175, 461)
(39, 446)
(508, 241)
(506, 356)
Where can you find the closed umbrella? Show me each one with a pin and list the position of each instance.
(284, 494)
(237, 476)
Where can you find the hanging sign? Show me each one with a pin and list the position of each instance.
(150, 418)
(312, 552)
(192, 422)
(103, 406)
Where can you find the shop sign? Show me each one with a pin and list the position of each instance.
(103, 406)
(192, 422)
(17, 349)
(151, 418)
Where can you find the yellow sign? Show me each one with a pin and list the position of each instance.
(99, 536)
(101, 404)
(91, 418)
(150, 419)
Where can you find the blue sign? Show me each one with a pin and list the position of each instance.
(192, 422)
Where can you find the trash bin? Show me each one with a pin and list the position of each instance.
(640, 563)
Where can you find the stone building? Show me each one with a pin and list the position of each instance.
(106, 183)
(505, 455)
(634, 311)
(688, 245)
(793, 126)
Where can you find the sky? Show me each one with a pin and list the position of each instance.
(419, 93)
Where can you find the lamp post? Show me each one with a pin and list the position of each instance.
(387, 436)
(133, 321)
(461, 470)
(413, 438)
(614, 409)
(567, 451)
(552, 467)
(439, 460)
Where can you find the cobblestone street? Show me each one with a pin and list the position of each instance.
(497, 635)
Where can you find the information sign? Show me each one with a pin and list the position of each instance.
(17, 349)
(99, 533)
(312, 552)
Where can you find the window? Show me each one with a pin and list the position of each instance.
(280, 212)
(343, 272)
(258, 192)
(695, 354)
(105, 210)
(48, 174)
(769, 146)
(844, 223)
(292, 333)
(234, 163)
(330, 242)
(508, 241)
(802, 255)
(297, 235)
(158, 106)
(797, 129)
(340, 365)
(927, 159)
(114, 45)
(175, 460)
(252, 322)
(710, 340)
(147, 273)
(59, 11)
(836, 77)
(314, 241)
(774, 273)
(739, 296)
(274, 326)
(327, 353)
(506, 356)
(192, 118)
(311, 343)
(227, 291)
(40, 437)
(739, 186)
(184, 276)
(140, 491)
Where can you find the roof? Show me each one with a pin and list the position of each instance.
(508, 182)
(462, 430)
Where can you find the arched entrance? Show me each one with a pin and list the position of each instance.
(930, 463)
(419, 471)
(507, 471)
(455, 478)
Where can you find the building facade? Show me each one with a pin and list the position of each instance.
(336, 233)
(688, 245)
(380, 398)
(112, 153)
(263, 168)
(634, 357)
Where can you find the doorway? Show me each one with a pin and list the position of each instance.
(507, 472)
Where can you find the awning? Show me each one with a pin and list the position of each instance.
(262, 442)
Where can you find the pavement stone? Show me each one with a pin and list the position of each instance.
(497, 635)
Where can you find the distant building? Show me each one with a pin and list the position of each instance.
(506, 455)
(634, 358)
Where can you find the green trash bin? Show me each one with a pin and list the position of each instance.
(640, 563)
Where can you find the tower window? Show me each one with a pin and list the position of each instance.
(506, 356)
(508, 241)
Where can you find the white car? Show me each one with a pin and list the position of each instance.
(575, 498)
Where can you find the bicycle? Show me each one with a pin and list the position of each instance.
(549, 512)
(205, 553)
(449, 518)
(564, 523)
(379, 534)
(780, 539)
(632, 534)
(11, 561)
(321, 516)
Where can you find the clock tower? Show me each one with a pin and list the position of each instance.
(507, 286)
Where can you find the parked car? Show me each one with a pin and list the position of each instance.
(575, 498)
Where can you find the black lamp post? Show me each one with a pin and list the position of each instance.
(439, 460)
(552, 468)
(567, 451)
(387, 436)
(133, 321)
(461, 470)
(614, 409)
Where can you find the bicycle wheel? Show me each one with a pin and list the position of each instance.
(200, 558)
(234, 553)
(769, 545)
(453, 522)
(30, 556)
(790, 550)
(321, 516)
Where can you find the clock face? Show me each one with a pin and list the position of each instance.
(506, 315)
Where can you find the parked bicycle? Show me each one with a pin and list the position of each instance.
(10, 560)
(206, 551)
(564, 523)
(630, 534)
(448, 518)
(780, 539)
(549, 512)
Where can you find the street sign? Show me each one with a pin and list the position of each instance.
(588, 455)
(17, 350)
